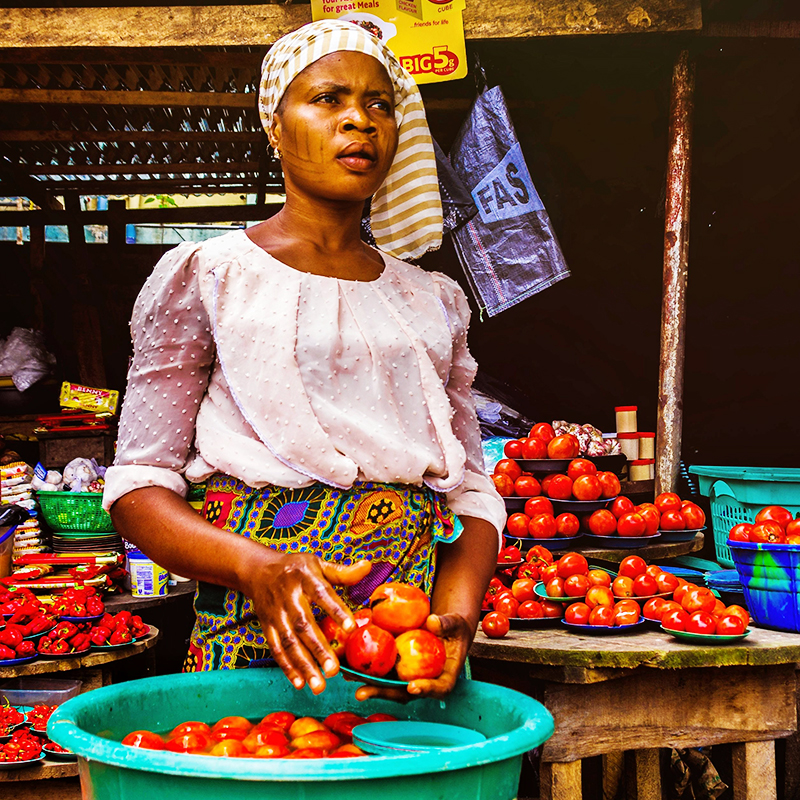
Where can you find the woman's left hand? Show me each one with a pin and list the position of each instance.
(457, 635)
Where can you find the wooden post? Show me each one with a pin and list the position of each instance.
(754, 771)
(643, 774)
(560, 780)
(37, 279)
(676, 248)
(116, 226)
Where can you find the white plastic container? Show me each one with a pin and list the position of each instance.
(147, 578)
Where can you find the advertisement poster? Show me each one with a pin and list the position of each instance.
(427, 36)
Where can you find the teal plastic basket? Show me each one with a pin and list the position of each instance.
(737, 494)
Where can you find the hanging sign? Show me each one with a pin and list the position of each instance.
(427, 36)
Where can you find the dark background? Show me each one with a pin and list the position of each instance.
(592, 116)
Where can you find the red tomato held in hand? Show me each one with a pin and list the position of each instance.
(603, 523)
(775, 514)
(530, 609)
(587, 487)
(507, 466)
(564, 446)
(675, 619)
(602, 615)
(610, 483)
(576, 586)
(397, 607)
(508, 605)
(543, 431)
(495, 625)
(693, 516)
(668, 501)
(145, 739)
(527, 486)
(517, 525)
(504, 485)
(631, 524)
(730, 626)
(542, 526)
(740, 532)
(513, 449)
(577, 614)
(598, 577)
(559, 488)
(768, 531)
(534, 448)
(335, 634)
(552, 610)
(701, 622)
(567, 525)
(632, 566)
(644, 586)
(371, 650)
(599, 596)
(622, 505)
(420, 655)
(672, 521)
(580, 466)
(572, 564)
(522, 589)
(538, 505)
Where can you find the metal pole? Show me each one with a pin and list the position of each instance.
(676, 249)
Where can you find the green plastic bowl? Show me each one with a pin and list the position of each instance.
(93, 724)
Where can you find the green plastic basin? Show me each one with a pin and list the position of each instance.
(93, 724)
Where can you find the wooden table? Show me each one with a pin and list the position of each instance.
(644, 691)
(651, 553)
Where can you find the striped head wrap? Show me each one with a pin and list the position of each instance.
(406, 211)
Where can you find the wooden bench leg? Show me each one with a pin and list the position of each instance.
(560, 781)
(754, 771)
(613, 772)
(644, 774)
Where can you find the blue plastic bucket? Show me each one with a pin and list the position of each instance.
(93, 724)
(770, 577)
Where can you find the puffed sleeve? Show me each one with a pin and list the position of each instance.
(476, 496)
(172, 357)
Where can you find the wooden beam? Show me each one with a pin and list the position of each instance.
(126, 186)
(219, 168)
(186, 57)
(129, 136)
(750, 29)
(166, 216)
(261, 25)
(20, 183)
(89, 97)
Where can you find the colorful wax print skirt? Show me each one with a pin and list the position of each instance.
(396, 526)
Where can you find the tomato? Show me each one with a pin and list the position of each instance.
(793, 528)
(644, 586)
(559, 487)
(522, 589)
(260, 737)
(507, 466)
(610, 483)
(283, 719)
(347, 751)
(598, 577)
(632, 566)
(631, 524)
(362, 617)
(504, 485)
(572, 564)
(599, 596)
(189, 727)
(223, 734)
(420, 655)
(682, 591)
(371, 650)
(539, 553)
(527, 486)
(397, 607)
(740, 532)
(538, 505)
(229, 748)
(580, 466)
(552, 610)
(535, 448)
(653, 608)
(718, 610)
(668, 501)
(564, 446)
(513, 449)
(543, 431)
(587, 487)
(555, 588)
(666, 582)
(622, 505)
(145, 739)
(495, 625)
(775, 514)
(701, 622)
(602, 523)
(549, 572)
(693, 516)
(768, 531)
(653, 570)
(500, 595)
(507, 605)
(699, 599)
(738, 611)
(622, 586)
(530, 609)
(730, 626)
(542, 526)
(602, 615)
(577, 613)
(576, 586)
(335, 634)
(567, 525)
(672, 521)
(517, 525)
(379, 716)
(652, 518)
(627, 615)
(674, 620)
(306, 752)
(190, 742)
(272, 751)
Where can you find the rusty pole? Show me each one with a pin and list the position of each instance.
(676, 249)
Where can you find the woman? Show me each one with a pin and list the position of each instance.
(321, 386)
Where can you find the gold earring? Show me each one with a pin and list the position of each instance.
(278, 154)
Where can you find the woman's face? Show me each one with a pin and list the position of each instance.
(335, 128)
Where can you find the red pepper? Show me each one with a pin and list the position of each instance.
(99, 636)
(120, 636)
(64, 630)
(122, 616)
(45, 645)
(6, 653)
(60, 647)
(26, 648)
(40, 623)
(10, 637)
(80, 641)
(95, 606)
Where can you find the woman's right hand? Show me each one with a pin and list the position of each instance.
(282, 590)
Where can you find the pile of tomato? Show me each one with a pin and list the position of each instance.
(773, 525)
(695, 609)
(389, 635)
(667, 513)
(279, 734)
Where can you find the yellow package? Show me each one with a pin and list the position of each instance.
(86, 398)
